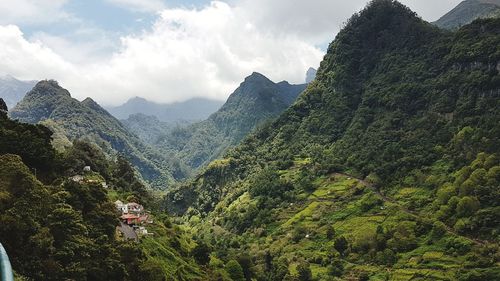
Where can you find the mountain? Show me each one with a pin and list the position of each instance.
(70, 119)
(310, 75)
(13, 90)
(467, 11)
(191, 110)
(254, 102)
(147, 127)
(58, 228)
(387, 167)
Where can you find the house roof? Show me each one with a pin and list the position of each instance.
(129, 216)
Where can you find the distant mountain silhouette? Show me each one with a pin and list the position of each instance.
(196, 109)
(13, 90)
(467, 11)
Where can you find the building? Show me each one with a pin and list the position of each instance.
(133, 219)
(86, 169)
(122, 208)
(130, 219)
(77, 178)
(135, 208)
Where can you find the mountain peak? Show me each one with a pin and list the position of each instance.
(256, 77)
(468, 11)
(90, 102)
(310, 74)
(49, 88)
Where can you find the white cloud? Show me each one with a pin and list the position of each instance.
(187, 53)
(28, 60)
(32, 11)
(83, 46)
(318, 21)
(140, 5)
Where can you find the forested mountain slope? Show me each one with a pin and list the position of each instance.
(70, 119)
(467, 11)
(387, 166)
(56, 228)
(256, 101)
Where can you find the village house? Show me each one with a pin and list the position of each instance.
(135, 208)
(77, 178)
(131, 213)
(122, 208)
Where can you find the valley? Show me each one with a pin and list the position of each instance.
(385, 165)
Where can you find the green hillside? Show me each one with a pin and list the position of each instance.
(386, 168)
(256, 101)
(56, 228)
(53, 106)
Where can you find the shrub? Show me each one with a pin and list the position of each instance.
(235, 271)
(304, 271)
(341, 245)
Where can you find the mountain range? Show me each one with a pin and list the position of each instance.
(467, 11)
(387, 166)
(256, 101)
(163, 152)
(191, 110)
(13, 90)
(50, 104)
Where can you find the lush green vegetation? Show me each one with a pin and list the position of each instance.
(70, 120)
(386, 168)
(57, 228)
(256, 101)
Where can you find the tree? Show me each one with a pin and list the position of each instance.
(341, 245)
(3, 106)
(467, 206)
(304, 271)
(330, 232)
(201, 253)
(336, 268)
(235, 271)
(246, 264)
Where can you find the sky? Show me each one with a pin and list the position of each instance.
(171, 50)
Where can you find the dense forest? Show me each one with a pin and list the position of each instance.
(256, 101)
(387, 166)
(51, 105)
(55, 228)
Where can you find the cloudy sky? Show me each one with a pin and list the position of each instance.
(171, 50)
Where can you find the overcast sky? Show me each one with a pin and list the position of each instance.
(171, 50)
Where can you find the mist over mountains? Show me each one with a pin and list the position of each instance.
(191, 110)
(467, 11)
(13, 90)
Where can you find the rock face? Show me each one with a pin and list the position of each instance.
(310, 75)
(13, 90)
(467, 11)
